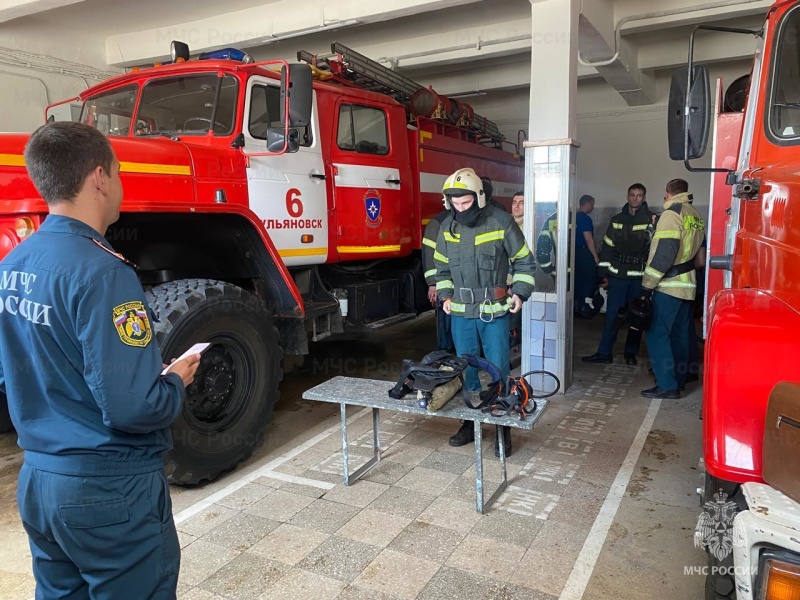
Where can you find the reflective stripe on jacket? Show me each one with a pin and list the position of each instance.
(678, 237)
(626, 243)
(429, 246)
(481, 258)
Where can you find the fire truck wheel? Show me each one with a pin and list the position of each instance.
(5, 419)
(230, 402)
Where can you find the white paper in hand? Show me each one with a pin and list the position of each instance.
(196, 349)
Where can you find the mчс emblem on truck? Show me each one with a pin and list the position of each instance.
(372, 204)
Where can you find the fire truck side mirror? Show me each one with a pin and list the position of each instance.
(689, 114)
(296, 82)
(276, 140)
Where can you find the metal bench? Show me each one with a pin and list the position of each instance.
(373, 393)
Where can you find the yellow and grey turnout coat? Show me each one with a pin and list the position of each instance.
(473, 264)
(679, 235)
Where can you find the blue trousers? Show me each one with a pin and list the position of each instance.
(470, 335)
(585, 276)
(444, 334)
(668, 340)
(693, 356)
(620, 292)
(99, 537)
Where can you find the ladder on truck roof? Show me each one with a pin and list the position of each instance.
(352, 68)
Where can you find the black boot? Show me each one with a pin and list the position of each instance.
(506, 442)
(464, 436)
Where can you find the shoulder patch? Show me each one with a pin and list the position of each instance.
(132, 324)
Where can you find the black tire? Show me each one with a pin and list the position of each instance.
(5, 419)
(236, 387)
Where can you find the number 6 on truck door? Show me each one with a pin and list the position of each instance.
(287, 192)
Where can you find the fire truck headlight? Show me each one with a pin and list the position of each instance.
(24, 226)
(780, 579)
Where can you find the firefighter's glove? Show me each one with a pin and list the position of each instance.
(647, 294)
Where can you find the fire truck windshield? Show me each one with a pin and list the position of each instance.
(184, 105)
(784, 114)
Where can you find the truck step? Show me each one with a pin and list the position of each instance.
(388, 321)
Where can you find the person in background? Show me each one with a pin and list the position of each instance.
(518, 208)
(81, 370)
(586, 259)
(477, 248)
(670, 281)
(622, 261)
(515, 319)
(444, 336)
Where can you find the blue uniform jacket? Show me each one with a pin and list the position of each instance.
(79, 361)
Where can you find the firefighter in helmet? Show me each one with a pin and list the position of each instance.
(478, 246)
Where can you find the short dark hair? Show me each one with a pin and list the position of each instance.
(638, 186)
(518, 193)
(61, 155)
(585, 199)
(677, 186)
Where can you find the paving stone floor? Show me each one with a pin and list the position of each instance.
(283, 526)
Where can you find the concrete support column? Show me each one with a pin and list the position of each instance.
(550, 156)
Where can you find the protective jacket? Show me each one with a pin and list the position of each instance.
(429, 238)
(78, 357)
(472, 264)
(678, 236)
(626, 243)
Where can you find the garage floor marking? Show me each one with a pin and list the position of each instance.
(582, 571)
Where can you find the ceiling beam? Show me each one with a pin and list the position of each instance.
(683, 13)
(14, 9)
(249, 28)
(618, 65)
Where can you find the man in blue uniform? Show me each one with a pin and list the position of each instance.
(81, 370)
(586, 259)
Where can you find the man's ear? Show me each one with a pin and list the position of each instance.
(98, 178)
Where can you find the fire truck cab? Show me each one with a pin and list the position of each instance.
(753, 321)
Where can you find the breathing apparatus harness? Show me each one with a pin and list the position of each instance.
(437, 377)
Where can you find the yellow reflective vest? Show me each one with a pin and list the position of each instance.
(679, 235)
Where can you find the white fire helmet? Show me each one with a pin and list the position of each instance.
(461, 183)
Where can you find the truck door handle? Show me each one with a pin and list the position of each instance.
(320, 176)
(394, 181)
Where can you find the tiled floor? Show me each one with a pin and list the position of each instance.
(409, 530)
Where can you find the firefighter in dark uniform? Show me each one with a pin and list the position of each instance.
(670, 280)
(81, 370)
(622, 261)
(477, 248)
(444, 337)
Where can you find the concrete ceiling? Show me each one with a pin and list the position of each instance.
(458, 46)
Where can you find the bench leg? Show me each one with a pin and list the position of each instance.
(376, 446)
(480, 505)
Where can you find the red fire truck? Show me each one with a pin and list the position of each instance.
(259, 237)
(750, 530)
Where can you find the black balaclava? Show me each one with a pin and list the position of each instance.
(469, 217)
